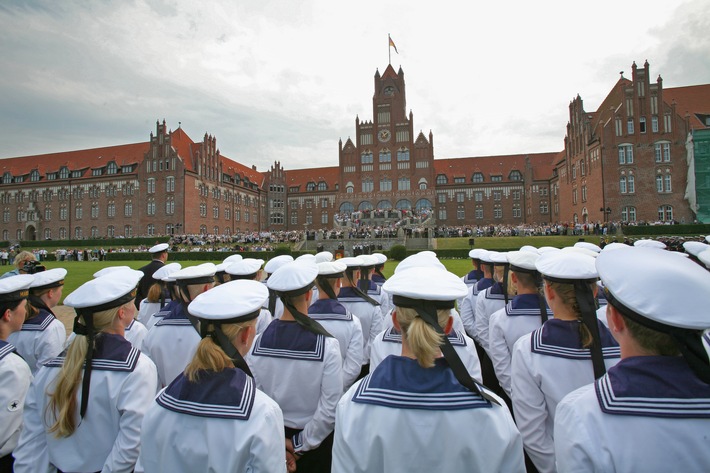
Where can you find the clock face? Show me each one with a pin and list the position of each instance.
(389, 90)
(384, 135)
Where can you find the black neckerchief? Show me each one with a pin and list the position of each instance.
(219, 337)
(300, 318)
(356, 290)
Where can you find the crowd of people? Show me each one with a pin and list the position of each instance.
(542, 359)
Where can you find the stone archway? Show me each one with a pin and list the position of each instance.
(30, 233)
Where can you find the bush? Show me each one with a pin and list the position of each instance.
(398, 252)
(664, 230)
(282, 250)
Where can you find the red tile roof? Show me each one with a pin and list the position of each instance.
(75, 160)
(301, 177)
(229, 166)
(185, 147)
(389, 72)
(542, 165)
(691, 100)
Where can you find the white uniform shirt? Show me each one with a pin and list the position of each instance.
(548, 364)
(521, 316)
(370, 317)
(302, 372)
(263, 320)
(135, 333)
(468, 306)
(147, 309)
(171, 344)
(123, 384)
(648, 413)
(40, 339)
(488, 301)
(161, 314)
(389, 342)
(469, 279)
(15, 377)
(222, 423)
(345, 327)
(403, 417)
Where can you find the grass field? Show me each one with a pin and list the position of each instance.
(498, 243)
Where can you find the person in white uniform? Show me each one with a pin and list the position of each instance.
(526, 311)
(473, 276)
(275, 306)
(468, 306)
(650, 412)
(158, 295)
(170, 306)
(212, 417)
(297, 363)
(250, 269)
(364, 307)
(85, 407)
(172, 342)
(492, 299)
(379, 278)
(418, 411)
(337, 320)
(42, 336)
(15, 375)
(567, 352)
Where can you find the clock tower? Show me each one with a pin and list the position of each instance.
(387, 167)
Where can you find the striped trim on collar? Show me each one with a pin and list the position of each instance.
(392, 336)
(6, 349)
(542, 348)
(316, 354)
(347, 316)
(510, 312)
(39, 327)
(103, 364)
(166, 321)
(648, 406)
(240, 411)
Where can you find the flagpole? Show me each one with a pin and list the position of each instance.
(389, 49)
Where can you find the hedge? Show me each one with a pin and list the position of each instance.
(90, 242)
(684, 229)
(196, 255)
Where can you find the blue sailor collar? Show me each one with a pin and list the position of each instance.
(130, 326)
(653, 386)
(287, 339)
(524, 304)
(348, 294)
(176, 316)
(39, 322)
(6, 348)
(482, 285)
(400, 382)
(373, 289)
(328, 309)
(472, 277)
(377, 279)
(392, 335)
(495, 292)
(111, 353)
(601, 298)
(166, 310)
(227, 394)
(560, 338)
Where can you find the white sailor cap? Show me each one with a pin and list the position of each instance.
(158, 248)
(232, 258)
(529, 248)
(381, 258)
(293, 278)
(615, 245)
(245, 267)
(352, 261)
(426, 283)
(588, 246)
(486, 257)
(707, 238)
(694, 248)
(324, 256)
(419, 260)
(307, 257)
(704, 257)
(579, 249)
(276, 262)
(222, 267)
(105, 292)
(523, 261)
(476, 253)
(647, 293)
(200, 274)
(110, 269)
(15, 288)
(246, 298)
(368, 261)
(48, 279)
(547, 249)
(566, 266)
(333, 269)
(166, 270)
(648, 243)
(498, 257)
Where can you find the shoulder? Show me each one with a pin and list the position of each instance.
(14, 366)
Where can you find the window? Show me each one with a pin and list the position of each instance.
(666, 152)
(619, 130)
(323, 203)
(478, 196)
(368, 185)
(497, 195)
(622, 184)
(128, 209)
(62, 213)
(311, 186)
(479, 212)
(215, 211)
(642, 123)
(665, 213)
(366, 157)
(322, 186)
(277, 219)
(111, 231)
(151, 207)
(442, 213)
(441, 179)
(574, 196)
(630, 126)
(441, 198)
(543, 207)
(385, 156)
(497, 212)
(626, 154)
(324, 217)
(584, 193)
(517, 212)
(7, 178)
(294, 218)
(516, 195)
(94, 210)
(349, 188)
(64, 173)
(170, 184)
(460, 213)
(516, 176)
(459, 180)
(403, 184)
(34, 175)
(667, 123)
(667, 180)
(460, 197)
(112, 168)
(654, 124)
(403, 154)
(203, 209)
(385, 184)
(496, 178)
(111, 209)
(628, 214)
(77, 232)
(151, 186)
(477, 177)
(632, 185)
(127, 231)
(47, 214)
(422, 184)
(78, 212)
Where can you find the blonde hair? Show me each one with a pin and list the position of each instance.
(62, 402)
(23, 255)
(568, 297)
(154, 292)
(422, 339)
(209, 356)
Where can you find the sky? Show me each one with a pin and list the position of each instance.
(284, 80)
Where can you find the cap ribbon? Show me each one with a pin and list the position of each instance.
(587, 306)
(356, 290)
(300, 318)
(90, 333)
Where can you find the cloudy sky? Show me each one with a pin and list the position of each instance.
(284, 80)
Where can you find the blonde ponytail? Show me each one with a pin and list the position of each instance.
(62, 402)
(209, 356)
(422, 339)
(568, 296)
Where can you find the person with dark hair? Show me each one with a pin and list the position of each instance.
(212, 417)
(159, 253)
(15, 375)
(651, 411)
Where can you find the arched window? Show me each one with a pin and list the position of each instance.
(385, 156)
(365, 205)
(402, 154)
(422, 184)
(347, 207)
(441, 179)
(322, 186)
(384, 205)
(422, 204)
(515, 176)
(366, 157)
(403, 204)
(477, 177)
(622, 184)
(311, 186)
(349, 188)
(64, 173)
(112, 168)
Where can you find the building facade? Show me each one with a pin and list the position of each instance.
(630, 161)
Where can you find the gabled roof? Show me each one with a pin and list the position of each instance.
(301, 177)
(184, 146)
(244, 171)
(693, 99)
(75, 160)
(389, 73)
(542, 165)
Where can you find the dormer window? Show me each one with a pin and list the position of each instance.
(64, 172)
(477, 177)
(34, 175)
(322, 186)
(515, 176)
(112, 168)
(498, 178)
(311, 186)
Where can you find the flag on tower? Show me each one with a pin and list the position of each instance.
(392, 44)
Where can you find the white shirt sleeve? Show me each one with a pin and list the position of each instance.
(51, 343)
(352, 364)
(467, 315)
(269, 447)
(481, 321)
(572, 440)
(31, 454)
(498, 351)
(15, 377)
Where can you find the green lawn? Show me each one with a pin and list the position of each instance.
(498, 243)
